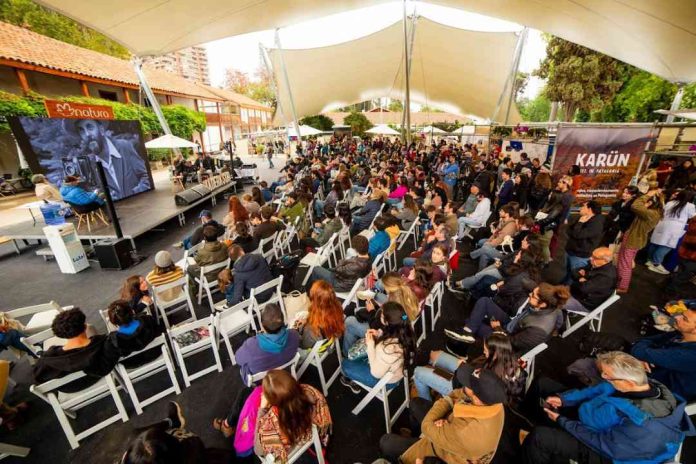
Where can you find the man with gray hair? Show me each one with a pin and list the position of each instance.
(625, 418)
(593, 284)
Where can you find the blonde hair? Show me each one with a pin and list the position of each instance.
(398, 291)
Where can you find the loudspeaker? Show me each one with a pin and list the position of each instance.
(187, 197)
(114, 254)
(201, 189)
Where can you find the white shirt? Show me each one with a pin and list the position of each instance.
(109, 165)
(482, 211)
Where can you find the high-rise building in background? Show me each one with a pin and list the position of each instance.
(190, 63)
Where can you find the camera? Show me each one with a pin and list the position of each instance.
(80, 166)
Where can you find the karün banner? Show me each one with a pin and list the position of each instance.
(608, 158)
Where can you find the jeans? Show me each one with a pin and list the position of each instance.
(187, 243)
(270, 163)
(409, 262)
(574, 305)
(319, 208)
(355, 330)
(572, 263)
(395, 202)
(464, 222)
(553, 445)
(11, 338)
(425, 377)
(470, 281)
(393, 445)
(359, 371)
(657, 253)
(485, 254)
(485, 308)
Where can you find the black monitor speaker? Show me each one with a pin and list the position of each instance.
(187, 197)
(114, 254)
(201, 189)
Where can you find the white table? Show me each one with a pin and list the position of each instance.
(30, 207)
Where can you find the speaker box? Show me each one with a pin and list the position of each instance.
(201, 189)
(114, 254)
(187, 197)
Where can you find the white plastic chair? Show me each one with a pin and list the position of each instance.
(164, 308)
(352, 295)
(185, 262)
(378, 266)
(292, 365)
(230, 321)
(275, 287)
(319, 258)
(420, 318)
(434, 302)
(65, 404)
(530, 359)
(412, 231)
(321, 350)
(470, 228)
(594, 316)
(343, 237)
(42, 316)
(270, 252)
(132, 375)
(206, 342)
(298, 451)
(210, 286)
(381, 393)
(372, 224)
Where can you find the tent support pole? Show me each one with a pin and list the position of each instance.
(407, 68)
(274, 86)
(515, 68)
(676, 103)
(287, 84)
(510, 79)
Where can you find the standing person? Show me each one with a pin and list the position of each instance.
(584, 235)
(647, 210)
(564, 188)
(539, 191)
(269, 156)
(670, 229)
(620, 217)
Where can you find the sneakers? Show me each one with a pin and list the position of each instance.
(178, 245)
(365, 295)
(352, 386)
(465, 335)
(175, 416)
(659, 268)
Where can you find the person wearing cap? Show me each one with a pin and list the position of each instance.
(460, 428)
(165, 272)
(196, 237)
(212, 252)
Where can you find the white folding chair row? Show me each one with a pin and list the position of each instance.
(351, 296)
(470, 228)
(321, 350)
(593, 318)
(133, 374)
(530, 359)
(317, 259)
(230, 321)
(412, 231)
(434, 302)
(186, 261)
(290, 232)
(268, 252)
(372, 224)
(381, 392)
(275, 288)
(343, 237)
(210, 286)
(420, 318)
(42, 316)
(164, 307)
(298, 451)
(65, 404)
(204, 343)
(292, 365)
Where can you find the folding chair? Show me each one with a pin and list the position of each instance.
(372, 224)
(65, 404)
(421, 317)
(290, 234)
(7, 450)
(299, 450)
(381, 392)
(276, 297)
(164, 308)
(412, 231)
(321, 256)
(343, 236)
(209, 286)
(229, 321)
(434, 302)
(187, 260)
(529, 358)
(470, 228)
(270, 252)
(42, 316)
(378, 266)
(134, 374)
(590, 318)
(292, 364)
(352, 295)
(319, 352)
(182, 351)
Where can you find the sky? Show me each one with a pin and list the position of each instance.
(242, 52)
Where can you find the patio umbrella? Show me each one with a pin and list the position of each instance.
(382, 129)
(171, 142)
(432, 130)
(304, 131)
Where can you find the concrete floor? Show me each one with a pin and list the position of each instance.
(27, 279)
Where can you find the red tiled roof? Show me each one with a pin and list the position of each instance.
(24, 46)
(236, 97)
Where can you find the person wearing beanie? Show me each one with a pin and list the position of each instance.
(196, 237)
(165, 272)
(462, 427)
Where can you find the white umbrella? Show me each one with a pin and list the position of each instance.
(304, 131)
(170, 141)
(431, 130)
(464, 130)
(382, 129)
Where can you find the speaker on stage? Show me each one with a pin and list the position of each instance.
(201, 189)
(114, 254)
(187, 197)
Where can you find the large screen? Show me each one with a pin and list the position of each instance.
(71, 147)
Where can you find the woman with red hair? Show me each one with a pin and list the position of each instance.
(237, 213)
(324, 319)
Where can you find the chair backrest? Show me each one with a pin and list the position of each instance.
(244, 305)
(157, 290)
(530, 360)
(372, 224)
(157, 341)
(292, 364)
(50, 386)
(104, 313)
(264, 241)
(36, 339)
(276, 297)
(353, 292)
(30, 310)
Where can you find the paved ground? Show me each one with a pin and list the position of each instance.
(26, 279)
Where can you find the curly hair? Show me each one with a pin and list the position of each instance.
(69, 324)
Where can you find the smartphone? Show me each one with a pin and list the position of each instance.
(544, 404)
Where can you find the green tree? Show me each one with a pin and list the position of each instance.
(521, 81)
(358, 122)
(579, 78)
(639, 98)
(429, 109)
(318, 121)
(537, 109)
(27, 14)
(395, 106)
(689, 99)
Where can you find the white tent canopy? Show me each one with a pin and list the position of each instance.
(432, 130)
(655, 35)
(464, 130)
(170, 141)
(382, 129)
(372, 66)
(304, 131)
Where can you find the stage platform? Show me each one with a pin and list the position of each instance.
(137, 215)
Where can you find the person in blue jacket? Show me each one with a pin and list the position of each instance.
(72, 193)
(450, 174)
(506, 189)
(671, 357)
(627, 418)
(380, 241)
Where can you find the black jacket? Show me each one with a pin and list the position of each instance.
(128, 344)
(349, 270)
(250, 271)
(514, 291)
(197, 235)
(584, 237)
(533, 329)
(96, 359)
(599, 284)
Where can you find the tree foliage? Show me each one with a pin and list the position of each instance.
(260, 88)
(27, 14)
(318, 121)
(639, 98)
(395, 106)
(358, 122)
(430, 109)
(579, 78)
(521, 81)
(689, 100)
(537, 109)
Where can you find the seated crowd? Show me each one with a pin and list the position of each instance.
(472, 401)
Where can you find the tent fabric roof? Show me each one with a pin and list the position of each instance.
(468, 75)
(395, 117)
(655, 35)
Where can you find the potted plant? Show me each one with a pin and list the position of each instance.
(25, 174)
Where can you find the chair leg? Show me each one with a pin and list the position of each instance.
(385, 403)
